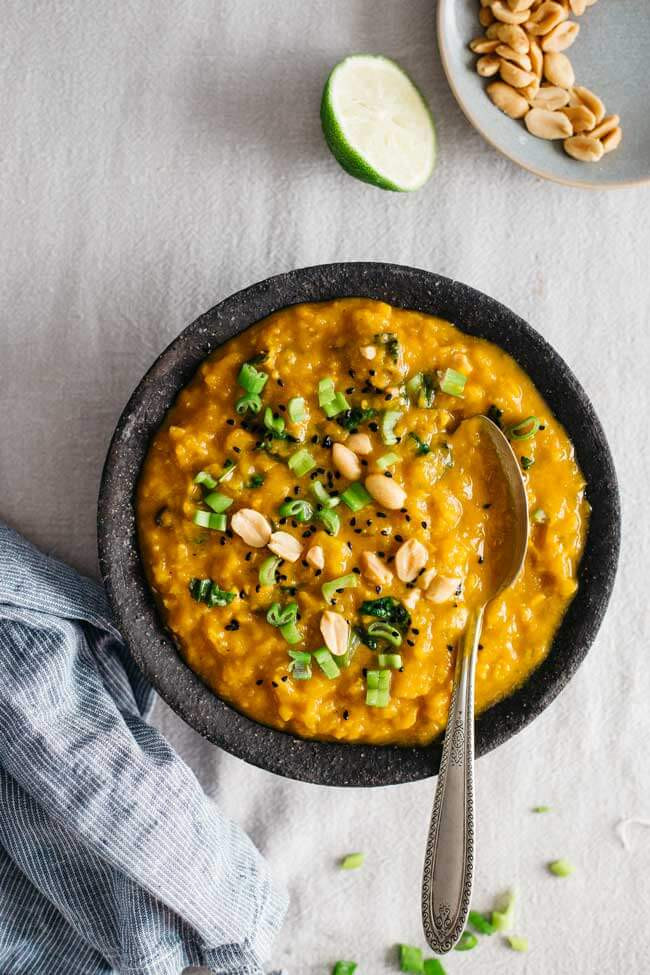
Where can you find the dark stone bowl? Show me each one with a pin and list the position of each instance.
(134, 608)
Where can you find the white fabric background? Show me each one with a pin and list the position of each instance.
(157, 156)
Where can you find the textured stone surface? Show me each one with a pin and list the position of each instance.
(338, 764)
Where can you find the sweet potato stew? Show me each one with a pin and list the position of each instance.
(314, 523)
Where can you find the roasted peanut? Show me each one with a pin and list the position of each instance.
(580, 118)
(507, 99)
(410, 558)
(335, 631)
(521, 60)
(252, 527)
(561, 37)
(551, 98)
(613, 139)
(548, 125)
(584, 148)
(285, 546)
(513, 36)
(488, 65)
(558, 69)
(385, 491)
(370, 351)
(480, 45)
(360, 443)
(374, 569)
(507, 16)
(346, 461)
(442, 589)
(547, 16)
(315, 557)
(579, 95)
(512, 75)
(608, 124)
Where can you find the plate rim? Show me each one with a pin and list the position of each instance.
(443, 48)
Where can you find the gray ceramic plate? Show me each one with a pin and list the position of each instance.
(328, 762)
(609, 57)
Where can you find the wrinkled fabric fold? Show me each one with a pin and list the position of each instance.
(113, 858)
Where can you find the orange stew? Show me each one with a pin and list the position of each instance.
(315, 524)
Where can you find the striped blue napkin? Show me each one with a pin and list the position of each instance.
(112, 858)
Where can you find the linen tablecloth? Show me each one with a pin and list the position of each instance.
(157, 156)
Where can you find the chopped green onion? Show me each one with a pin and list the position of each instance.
(381, 630)
(329, 520)
(427, 393)
(256, 480)
(410, 959)
(433, 967)
(268, 569)
(453, 383)
(561, 868)
(480, 923)
(206, 479)
(344, 968)
(325, 391)
(200, 588)
(467, 941)
(206, 519)
(503, 918)
(250, 401)
(539, 516)
(527, 463)
(326, 662)
(349, 581)
(218, 502)
(302, 511)
(353, 418)
(296, 409)
(209, 592)
(300, 665)
(227, 472)
(353, 642)
(352, 861)
(414, 384)
(378, 688)
(542, 809)
(301, 462)
(391, 343)
(526, 429)
(278, 615)
(323, 497)
(422, 447)
(251, 379)
(388, 421)
(389, 609)
(355, 496)
(290, 632)
(517, 943)
(273, 423)
(338, 404)
(387, 460)
(391, 660)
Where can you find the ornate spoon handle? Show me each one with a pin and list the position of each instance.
(449, 859)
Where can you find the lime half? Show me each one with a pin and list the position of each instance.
(377, 124)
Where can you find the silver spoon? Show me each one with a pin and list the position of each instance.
(449, 859)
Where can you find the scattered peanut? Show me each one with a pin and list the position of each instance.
(315, 557)
(285, 546)
(524, 43)
(346, 461)
(368, 351)
(410, 558)
(412, 599)
(360, 443)
(252, 527)
(375, 570)
(385, 491)
(442, 589)
(336, 632)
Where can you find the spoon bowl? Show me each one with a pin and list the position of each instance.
(449, 859)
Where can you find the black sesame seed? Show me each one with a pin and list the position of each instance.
(486, 506)
(318, 572)
(480, 646)
(480, 560)
(283, 521)
(381, 514)
(373, 426)
(350, 390)
(259, 682)
(357, 571)
(230, 422)
(242, 594)
(398, 538)
(257, 588)
(369, 522)
(387, 474)
(304, 563)
(407, 517)
(352, 522)
(314, 439)
(415, 630)
(450, 647)
(349, 545)
(351, 372)
(327, 441)
(381, 555)
(411, 643)
(357, 531)
(280, 382)
(296, 490)
(237, 450)
(274, 683)
(384, 531)
(248, 556)
(372, 372)
(306, 534)
(388, 396)
(424, 524)
(284, 678)
(377, 589)
(346, 715)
